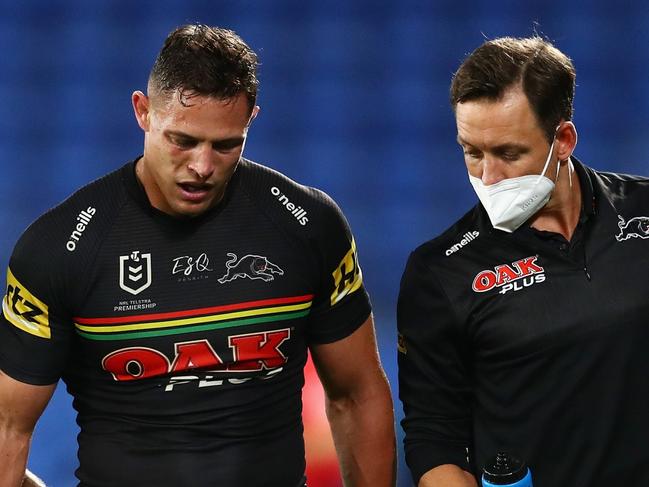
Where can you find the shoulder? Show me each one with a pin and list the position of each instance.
(624, 192)
(615, 184)
(74, 225)
(619, 180)
(454, 241)
(295, 205)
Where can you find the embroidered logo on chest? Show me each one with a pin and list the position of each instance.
(190, 268)
(510, 277)
(250, 266)
(135, 272)
(636, 227)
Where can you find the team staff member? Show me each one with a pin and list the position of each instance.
(524, 325)
(177, 298)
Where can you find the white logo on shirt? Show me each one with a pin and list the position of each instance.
(466, 239)
(135, 270)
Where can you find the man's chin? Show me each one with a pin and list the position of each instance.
(191, 210)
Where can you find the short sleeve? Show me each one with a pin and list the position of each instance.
(434, 378)
(35, 334)
(341, 303)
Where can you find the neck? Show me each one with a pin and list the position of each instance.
(561, 213)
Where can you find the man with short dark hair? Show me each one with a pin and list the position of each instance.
(177, 297)
(523, 327)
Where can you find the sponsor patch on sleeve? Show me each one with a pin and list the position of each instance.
(348, 276)
(401, 344)
(24, 310)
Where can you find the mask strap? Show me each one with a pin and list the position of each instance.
(547, 161)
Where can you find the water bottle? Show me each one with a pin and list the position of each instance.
(506, 470)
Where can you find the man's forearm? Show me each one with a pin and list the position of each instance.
(363, 432)
(447, 476)
(13, 459)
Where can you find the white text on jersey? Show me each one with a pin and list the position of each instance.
(297, 211)
(84, 219)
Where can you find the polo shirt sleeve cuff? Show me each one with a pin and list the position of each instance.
(423, 457)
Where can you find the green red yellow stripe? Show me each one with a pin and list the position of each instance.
(188, 321)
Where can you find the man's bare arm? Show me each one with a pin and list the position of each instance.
(20, 407)
(359, 408)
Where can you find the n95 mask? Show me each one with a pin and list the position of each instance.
(511, 202)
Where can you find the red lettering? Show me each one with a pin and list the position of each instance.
(528, 266)
(135, 363)
(484, 281)
(195, 355)
(505, 274)
(257, 351)
(251, 352)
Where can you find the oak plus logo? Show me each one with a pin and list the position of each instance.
(135, 272)
(256, 355)
(510, 277)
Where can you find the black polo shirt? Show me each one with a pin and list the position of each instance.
(528, 343)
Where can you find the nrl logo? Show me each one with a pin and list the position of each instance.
(510, 277)
(250, 266)
(636, 227)
(135, 272)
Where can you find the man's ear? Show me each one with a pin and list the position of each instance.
(141, 108)
(253, 115)
(566, 140)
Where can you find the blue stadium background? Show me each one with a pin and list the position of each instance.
(354, 101)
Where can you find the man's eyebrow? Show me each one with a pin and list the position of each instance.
(508, 146)
(176, 133)
(231, 141)
(511, 147)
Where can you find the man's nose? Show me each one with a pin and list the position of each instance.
(203, 163)
(492, 170)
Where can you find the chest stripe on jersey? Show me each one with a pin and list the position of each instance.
(187, 321)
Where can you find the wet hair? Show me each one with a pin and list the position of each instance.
(545, 74)
(198, 60)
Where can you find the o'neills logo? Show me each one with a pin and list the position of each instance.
(466, 238)
(297, 211)
(83, 220)
(510, 277)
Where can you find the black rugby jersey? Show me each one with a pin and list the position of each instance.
(183, 341)
(531, 344)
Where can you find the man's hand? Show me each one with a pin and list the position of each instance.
(447, 476)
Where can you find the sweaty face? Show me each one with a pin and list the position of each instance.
(501, 139)
(190, 152)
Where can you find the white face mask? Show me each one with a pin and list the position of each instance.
(511, 202)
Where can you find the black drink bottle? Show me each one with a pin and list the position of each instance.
(506, 470)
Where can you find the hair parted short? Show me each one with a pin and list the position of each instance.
(198, 60)
(545, 74)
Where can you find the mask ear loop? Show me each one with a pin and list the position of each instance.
(547, 161)
(571, 170)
